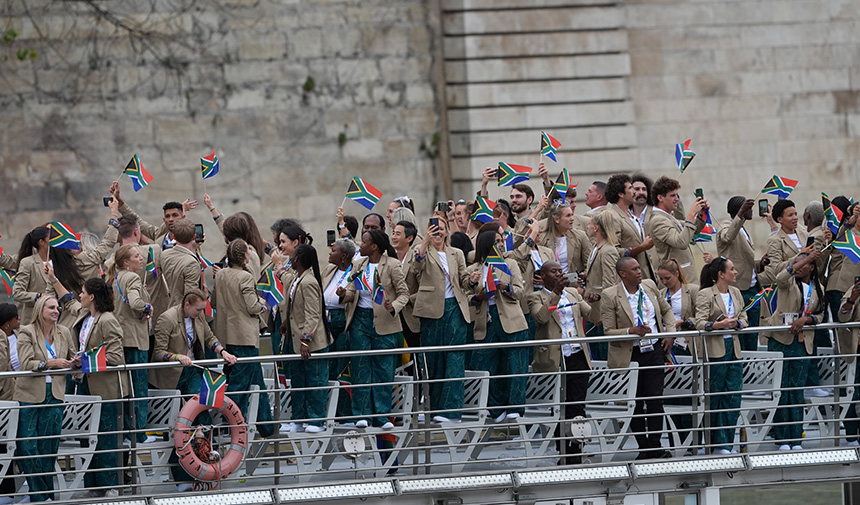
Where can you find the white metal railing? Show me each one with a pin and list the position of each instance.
(419, 447)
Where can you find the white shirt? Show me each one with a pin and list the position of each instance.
(293, 288)
(365, 298)
(754, 280)
(332, 301)
(793, 237)
(449, 289)
(676, 302)
(189, 334)
(85, 332)
(592, 211)
(561, 253)
(52, 354)
(13, 351)
(650, 319)
(568, 324)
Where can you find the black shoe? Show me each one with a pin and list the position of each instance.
(645, 455)
(661, 454)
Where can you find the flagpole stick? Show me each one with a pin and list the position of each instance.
(204, 186)
(343, 202)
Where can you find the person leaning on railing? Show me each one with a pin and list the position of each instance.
(800, 303)
(681, 295)
(848, 347)
(719, 306)
(42, 344)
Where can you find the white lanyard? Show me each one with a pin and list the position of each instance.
(339, 281)
(50, 350)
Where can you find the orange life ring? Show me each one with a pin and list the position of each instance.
(183, 430)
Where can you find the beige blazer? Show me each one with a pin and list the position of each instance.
(618, 317)
(821, 262)
(523, 256)
(548, 358)
(578, 248)
(8, 261)
(781, 251)
(732, 244)
(710, 306)
(672, 240)
(181, 270)
(106, 328)
(789, 299)
(129, 301)
(170, 338)
(430, 294)
(394, 283)
(237, 307)
(156, 288)
(7, 385)
(510, 312)
(412, 285)
(30, 281)
(306, 314)
(89, 262)
(688, 299)
(600, 272)
(154, 233)
(31, 351)
(847, 340)
(628, 237)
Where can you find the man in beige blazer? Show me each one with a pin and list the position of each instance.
(180, 265)
(672, 238)
(162, 234)
(632, 240)
(635, 307)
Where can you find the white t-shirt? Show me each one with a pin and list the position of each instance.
(365, 298)
(190, 336)
(449, 289)
(332, 301)
(86, 326)
(676, 302)
(13, 351)
(561, 253)
(793, 237)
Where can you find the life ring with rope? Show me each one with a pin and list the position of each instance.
(200, 461)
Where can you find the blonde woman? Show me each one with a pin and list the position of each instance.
(570, 247)
(600, 272)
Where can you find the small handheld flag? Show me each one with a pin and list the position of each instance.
(150, 264)
(846, 243)
(707, 233)
(271, 288)
(490, 281)
(556, 307)
(512, 174)
(509, 240)
(496, 259)
(832, 214)
(204, 263)
(483, 210)
(362, 283)
(757, 298)
(62, 236)
(378, 290)
(562, 184)
(771, 299)
(683, 155)
(209, 165)
(8, 280)
(549, 146)
(363, 193)
(212, 390)
(138, 175)
(95, 360)
(779, 186)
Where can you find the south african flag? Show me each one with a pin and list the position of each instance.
(271, 288)
(209, 165)
(8, 279)
(562, 184)
(62, 236)
(549, 146)
(138, 175)
(779, 186)
(683, 155)
(509, 174)
(150, 264)
(363, 193)
(483, 210)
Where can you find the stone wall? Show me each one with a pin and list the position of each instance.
(296, 97)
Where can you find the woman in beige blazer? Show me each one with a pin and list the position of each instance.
(241, 225)
(442, 307)
(600, 272)
(570, 246)
(681, 295)
(133, 311)
(309, 333)
(719, 306)
(42, 344)
(784, 245)
(374, 325)
(238, 308)
(800, 302)
(96, 325)
(499, 317)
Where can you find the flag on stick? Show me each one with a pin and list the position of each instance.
(832, 214)
(549, 146)
(363, 193)
(271, 288)
(771, 299)
(683, 155)
(150, 264)
(757, 298)
(490, 280)
(62, 236)
(209, 165)
(362, 283)
(95, 360)
(378, 290)
(483, 210)
(496, 259)
(212, 390)
(562, 184)
(8, 279)
(204, 263)
(138, 175)
(707, 233)
(846, 243)
(509, 240)
(779, 186)
(509, 175)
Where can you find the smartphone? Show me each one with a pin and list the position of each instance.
(107, 200)
(434, 221)
(330, 237)
(572, 278)
(810, 241)
(698, 193)
(443, 206)
(856, 280)
(762, 207)
(198, 233)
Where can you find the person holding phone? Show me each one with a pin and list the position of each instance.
(93, 253)
(736, 244)
(180, 264)
(442, 307)
(719, 306)
(163, 234)
(784, 245)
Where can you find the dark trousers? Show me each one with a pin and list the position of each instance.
(575, 391)
(648, 421)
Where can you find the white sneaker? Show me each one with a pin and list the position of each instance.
(815, 393)
(150, 439)
(420, 418)
(784, 447)
(6, 500)
(361, 424)
(443, 419)
(112, 493)
(722, 451)
(185, 487)
(349, 424)
(388, 426)
(501, 417)
(512, 415)
(312, 428)
(700, 452)
(797, 447)
(289, 428)
(852, 443)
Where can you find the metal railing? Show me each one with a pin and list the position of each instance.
(417, 446)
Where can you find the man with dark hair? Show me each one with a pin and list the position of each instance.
(641, 206)
(635, 307)
(671, 238)
(735, 244)
(372, 221)
(595, 197)
(173, 211)
(522, 198)
(632, 240)
(180, 264)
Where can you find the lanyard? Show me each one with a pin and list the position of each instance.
(50, 350)
(190, 336)
(119, 291)
(639, 310)
(806, 308)
(444, 265)
(85, 331)
(730, 308)
(342, 277)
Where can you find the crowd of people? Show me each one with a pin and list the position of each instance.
(535, 270)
